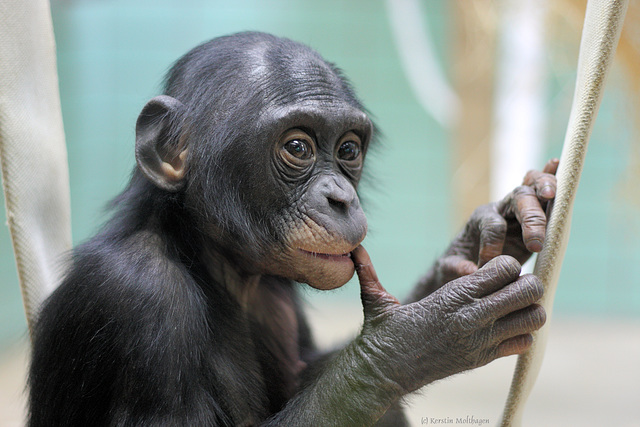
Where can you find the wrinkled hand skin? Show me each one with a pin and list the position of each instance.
(514, 226)
(465, 324)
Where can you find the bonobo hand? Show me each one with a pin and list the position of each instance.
(513, 226)
(465, 324)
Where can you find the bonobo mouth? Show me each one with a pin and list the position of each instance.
(332, 257)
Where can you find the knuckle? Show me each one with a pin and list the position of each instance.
(493, 224)
(548, 179)
(533, 318)
(481, 213)
(538, 317)
(470, 319)
(530, 176)
(505, 267)
(533, 218)
(458, 297)
(533, 285)
(523, 190)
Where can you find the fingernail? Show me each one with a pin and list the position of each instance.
(534, 245)
(547, 192)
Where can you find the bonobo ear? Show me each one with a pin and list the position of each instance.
(160, 157)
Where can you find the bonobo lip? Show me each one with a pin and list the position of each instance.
(332, 257)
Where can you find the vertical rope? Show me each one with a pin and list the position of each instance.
(32, 149)
(602, 26)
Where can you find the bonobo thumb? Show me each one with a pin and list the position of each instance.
(375, 299)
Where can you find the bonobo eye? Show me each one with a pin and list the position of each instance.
(349, 150)
(297, 149)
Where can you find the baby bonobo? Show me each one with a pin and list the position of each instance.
(183, 310)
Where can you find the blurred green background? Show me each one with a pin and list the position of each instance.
(113, 54)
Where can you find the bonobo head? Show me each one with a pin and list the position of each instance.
(263, 142)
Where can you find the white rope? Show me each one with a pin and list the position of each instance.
(602, 25)
(32, 150)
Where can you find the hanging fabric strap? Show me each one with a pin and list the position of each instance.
(600, 34)
(32, 150)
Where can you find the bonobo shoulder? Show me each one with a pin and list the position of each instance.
(139, 264)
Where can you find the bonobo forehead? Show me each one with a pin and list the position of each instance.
(296, 87)
(284, 73)
(287, 77)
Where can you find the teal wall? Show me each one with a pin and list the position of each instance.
(112, 56)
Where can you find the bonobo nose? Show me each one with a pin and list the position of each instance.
(339, 192)
(332, 202)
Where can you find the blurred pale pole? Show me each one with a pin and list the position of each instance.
(519, 119)
(414, 43)
(473, 74)
(493, 144)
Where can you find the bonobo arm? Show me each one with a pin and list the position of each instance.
(465, 324)
(514, 226)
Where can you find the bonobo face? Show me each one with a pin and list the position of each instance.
(264, 142)
(317, 159)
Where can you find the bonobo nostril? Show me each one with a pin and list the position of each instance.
(340, 197)
(338, 204)
(339, 193)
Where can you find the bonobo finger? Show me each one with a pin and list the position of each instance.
(520, 322)
(493, 232)
(520, 294)
(524, 203)
(494, 275)
(551, 166)
(544, 184)
(515, 345)
(375, 299)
